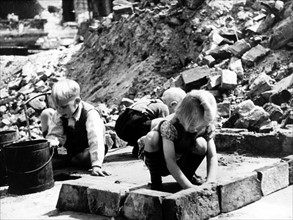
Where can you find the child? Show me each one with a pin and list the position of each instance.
(76, 125)
(179, 143)
(138, 119)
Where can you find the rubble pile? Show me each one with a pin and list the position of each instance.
(241, 51)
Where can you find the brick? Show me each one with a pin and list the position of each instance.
(143, 204)
(239, 48)
(235, 65)
(220, 52)
(208, 60)
(228, 79)
(273, 177)
(196, 77)
(239, 193)
(122, 9)
(214, 81)
(254, 55)
(289, 159)
(73, 197)
(106, 199)
(194, 203)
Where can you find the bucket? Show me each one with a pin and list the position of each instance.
(29, 166)
(6, 138)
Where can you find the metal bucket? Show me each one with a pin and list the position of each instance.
(29, 166)
(6, 138)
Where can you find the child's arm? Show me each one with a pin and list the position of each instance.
(170, 158)
(56, 134)
(96, 132)
(212, 161)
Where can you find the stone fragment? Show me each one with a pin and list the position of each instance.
(122, 9)
(228, 79)
(239, 192)
(273, 177)
(224, 109)
(143, 204)
(282, 33)
(220, 52)
(194, 203)
(195, 78)
(239, 48)
(209, 60)
(260, 84)
(214, 81)
(275, 111)
(236, 66)
(254, 55)
(289, 159)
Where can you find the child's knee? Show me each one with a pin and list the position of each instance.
(151, 141)
(201, 146)
(46, 115)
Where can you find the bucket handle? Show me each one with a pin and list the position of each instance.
(25, 111)
(32, 171)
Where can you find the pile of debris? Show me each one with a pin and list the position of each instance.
(242, 53)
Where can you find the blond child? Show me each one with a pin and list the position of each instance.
(179, 143)
(76, 125)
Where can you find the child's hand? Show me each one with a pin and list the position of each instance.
(98, 171)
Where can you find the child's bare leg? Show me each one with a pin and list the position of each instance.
(153, 159)
(45, 118)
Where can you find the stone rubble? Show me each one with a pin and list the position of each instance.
(222, 66)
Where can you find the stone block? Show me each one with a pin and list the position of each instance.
(239, 48)
(239, 192)
(194, 203)
(224, 109)
(235, 65)
(273, 177)
(228, 79)
(195, 78)
(289, 159)
(214, 81)
(142, 204)
(107, 199)
(73, 197)
(282, 33)
(221, 52)
(226, 141)
(254, 55)
(262, 143)
(123, 9)
(208, 60)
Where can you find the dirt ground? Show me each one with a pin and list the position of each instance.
(124, 169)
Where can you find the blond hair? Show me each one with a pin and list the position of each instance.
(174, 94)
(65, 90)
(199, 105)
